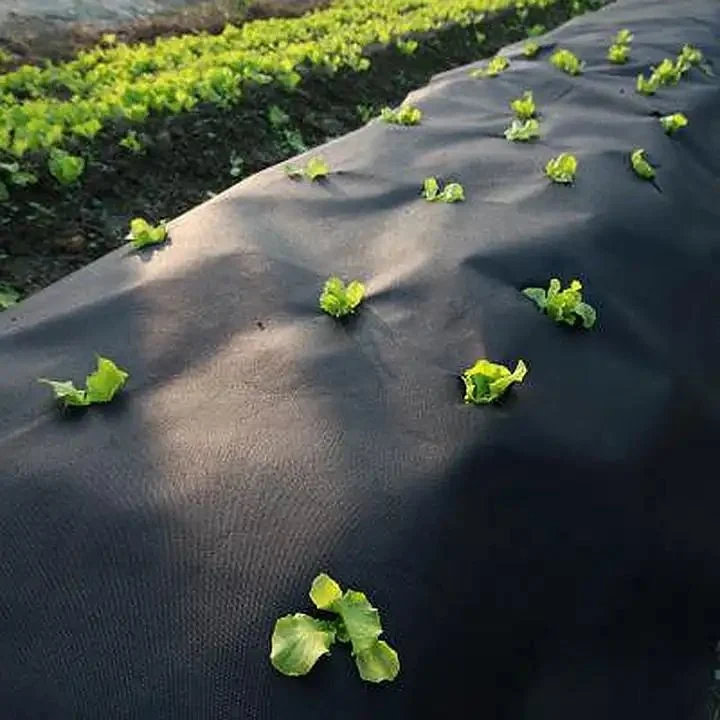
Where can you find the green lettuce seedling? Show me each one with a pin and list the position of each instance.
(562, 169)
(142, 233)
(673, 123)
(487, 382)
(563, 306)
(132, 142)
(8, 296)
(316, 168)
(64, 167)
(618, 54)
(339, 300)
(641, 165)
(404, 115)
(524, 106)
(496, 65)
(567, 61)
(451, 193)
(520, 131)
(530, 49)
(646, 86)
(623, 37)
(101, 386)
(299, 641)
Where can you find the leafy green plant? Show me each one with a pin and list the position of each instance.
(132, 142)
(567, 61)
(563, 306)
(299, 641)
(530, 49)
(101, 386)
(523, 131)
(316, 168)
(64, 167)
(13, 174)
(9, 296)
(404, 115)
(562, 169)
(339, 300)
(618, 54)
(406, 47)
(669, 72)
(524, 106)
(672, 123)
(142, 233)
(536, 30)
(495, 66)
(646, 86)
(451, 193)
(277, 117)
(623, 37)
(486, 382)
(641, 165)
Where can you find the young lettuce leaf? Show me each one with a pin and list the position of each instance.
(486, 382)
(562, 169)
(672, 123)
(101, 386)
(523, 131)
(567, 61)
(404, 115)
(340, 300)
(299, 640)
(8, 296)
(494, 67)
(451, 193)
(316, 168)
(530, 49)
(142, 233)
(64, 167)
(641, 165)
(563, 306)
(524, 106)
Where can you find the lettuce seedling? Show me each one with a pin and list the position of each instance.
(451, 193)
(407, 47)
(496, 65)
(8, 296)
(562, 169)
(641, 165)
(623, 37)
(487, 382)
(339, 300)
(520, 131)
(101, 386)
(530, 49)
(618, 54)
(524, 106)
(299, 641)
(673, 123)
(563, 306)
(64, 167)
(404, 115)
(142, 233)
(646, 86)
(567, 61)
(316, 168)
(132, 142)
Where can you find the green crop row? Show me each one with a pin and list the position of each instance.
(46, 107)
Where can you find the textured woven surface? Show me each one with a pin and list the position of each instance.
(557, 556)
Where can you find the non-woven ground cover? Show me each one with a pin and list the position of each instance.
(47, 230)
(555, 556)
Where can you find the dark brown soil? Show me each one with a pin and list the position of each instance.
(47, 233)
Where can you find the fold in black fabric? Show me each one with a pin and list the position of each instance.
(556, 556)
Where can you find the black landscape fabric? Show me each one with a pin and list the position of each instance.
(554, 556)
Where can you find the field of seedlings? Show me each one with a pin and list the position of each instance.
(152, 129)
